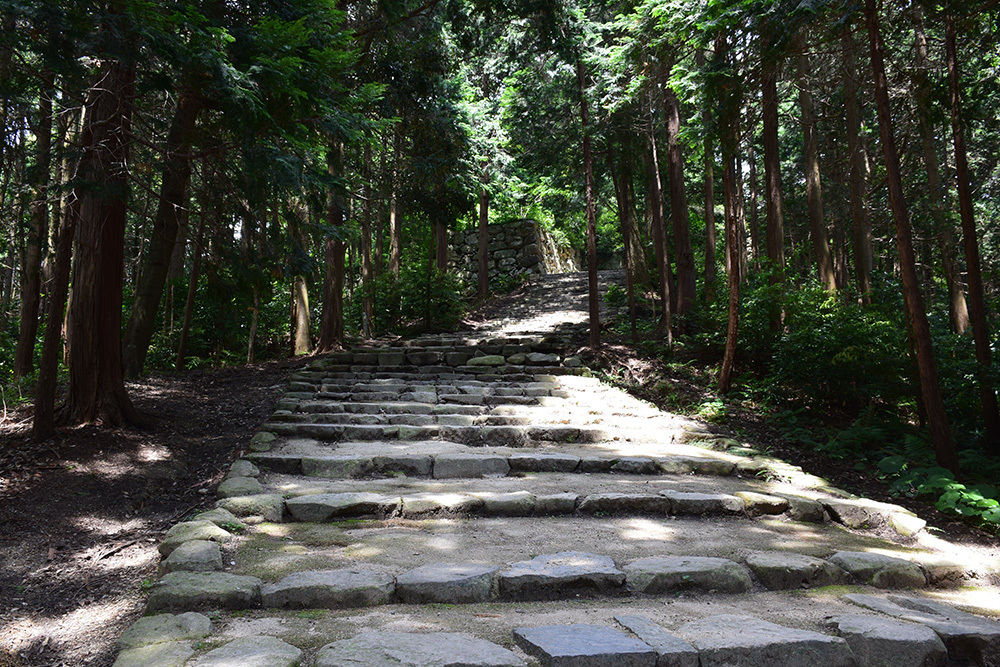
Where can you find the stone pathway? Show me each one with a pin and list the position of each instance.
(479, 500)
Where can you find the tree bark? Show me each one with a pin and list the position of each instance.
(440, 245)
(367, 277)
(300, 299)
(729, 108)
(622, 201)
(484, 242)
(659, 242)
(331, 331)
(395, 220)
(192, 291)
(96, 385)
(43, 424)
(944, 446)
(958, 308)
(38, 235)
(588, 176)
(172, 201)
(860, 216)
(773, 199)
(710, 271)
(814, 188)
(684, 255)
(977, 301)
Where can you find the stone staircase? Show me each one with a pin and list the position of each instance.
(482, 500)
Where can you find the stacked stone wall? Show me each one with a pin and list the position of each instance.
(515, 247)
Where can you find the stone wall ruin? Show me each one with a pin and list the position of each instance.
(515, 247)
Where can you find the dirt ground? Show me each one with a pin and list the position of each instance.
(81, 516)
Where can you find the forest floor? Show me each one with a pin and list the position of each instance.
(81, 516)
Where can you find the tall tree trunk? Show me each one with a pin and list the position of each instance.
(684, 255)
(754, 217)
(254, 320)
(484, 242)
(43, 424)
(706, 118)
(977, 302)
(622, 201)
(38, 234)
(331, 331)
(773, 199)
(395, 220)
(729, 105)
(367, 279)
(192, 291)
(588, 176)
(732, 235)
(944, 446)
(300, 299)
(640, 270)
(440, 245)
(814, 188)
(958, 308)
(96, 385)
(860, 216)
(655, 202)
(173, 200)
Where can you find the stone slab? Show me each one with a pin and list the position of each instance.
(556, 503)
(161, 628)
(267, 506)
(243, 468)
(671, 650)
(186, 531)
(690, 503)
(452, 583)
(261, 651)
(762, 503)
(222, 518)
(515, 503)
(165, 654)
(460, 465)
(193, 556)
(407, 649)
(743, 641)
(667, 574)
(967, 636)
(880, 570)
(544, 462)
(877, 641)
(430, 503)
(413, 465)
(584, 646)
(329, 589)
(324, 506)
(341, 467)
(188, 591)
(560, 575)
(626, 503)
(697, 465)
(783, 570)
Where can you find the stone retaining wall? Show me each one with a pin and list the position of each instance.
(517, 246)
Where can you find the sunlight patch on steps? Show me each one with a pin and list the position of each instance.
(647, 529)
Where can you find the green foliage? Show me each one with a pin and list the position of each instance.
(979, 502)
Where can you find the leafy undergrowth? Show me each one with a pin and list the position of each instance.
(874, 447)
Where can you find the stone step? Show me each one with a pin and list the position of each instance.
(555, 576)
(749, 630)
(470, 435)
(385, 459)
